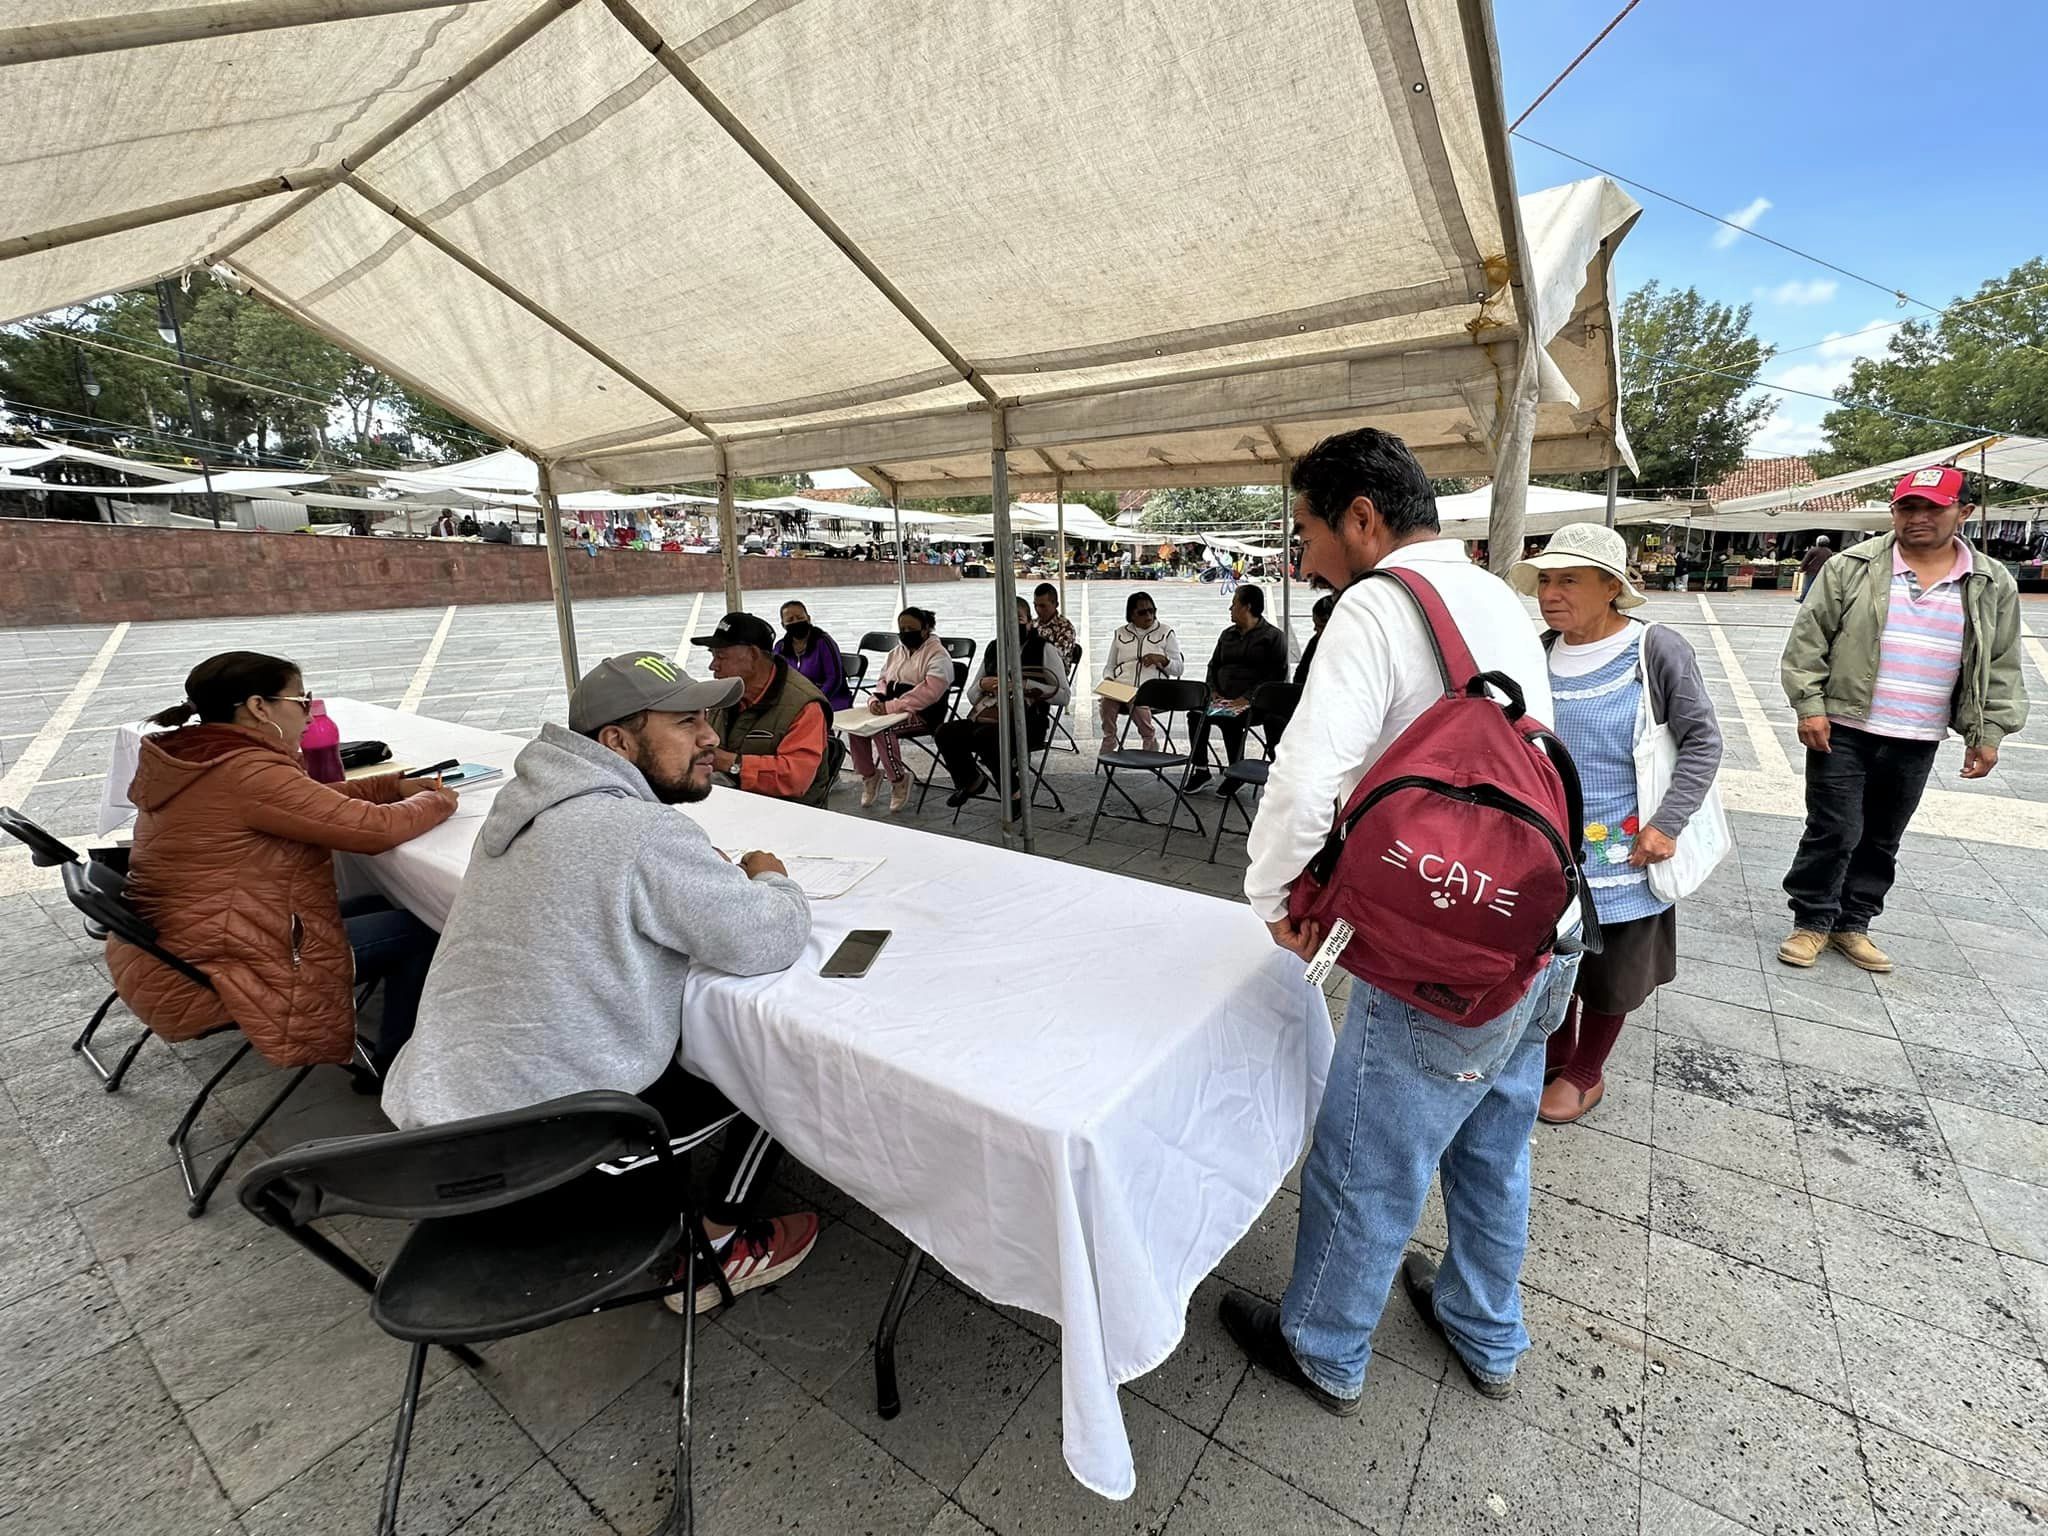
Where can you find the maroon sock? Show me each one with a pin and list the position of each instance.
(1557, 1051)
(1597, 1034)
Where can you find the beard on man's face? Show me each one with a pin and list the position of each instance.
(672, 791)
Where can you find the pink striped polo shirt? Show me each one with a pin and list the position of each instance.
(1920, 655)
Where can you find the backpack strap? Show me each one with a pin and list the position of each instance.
(1454, 661)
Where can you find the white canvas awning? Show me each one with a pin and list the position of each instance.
(2011, 457)
(228, 482)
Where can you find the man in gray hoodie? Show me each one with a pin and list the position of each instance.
(585, 834)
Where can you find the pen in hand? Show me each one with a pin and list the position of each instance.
(432, 769)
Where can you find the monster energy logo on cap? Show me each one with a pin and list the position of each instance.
(620, 687)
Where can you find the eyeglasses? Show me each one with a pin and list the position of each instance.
(303, 700)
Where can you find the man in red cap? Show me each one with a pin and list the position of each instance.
(1901, 639)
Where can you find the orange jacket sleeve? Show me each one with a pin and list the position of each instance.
(278, 798)
(788, 774)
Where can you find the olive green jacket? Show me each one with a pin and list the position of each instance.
(1830, 662)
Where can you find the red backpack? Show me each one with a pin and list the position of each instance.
(1444, 880)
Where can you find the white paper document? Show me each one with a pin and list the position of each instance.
(862, 721)
(821, 878)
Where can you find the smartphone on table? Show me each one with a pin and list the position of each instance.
(856, 952)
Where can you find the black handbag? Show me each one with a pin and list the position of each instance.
(363, 754)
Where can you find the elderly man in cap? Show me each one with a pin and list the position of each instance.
(775, 738)
(584, 839)
(1901, 639)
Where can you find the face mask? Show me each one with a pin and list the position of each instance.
(911, 638)
(798, 633)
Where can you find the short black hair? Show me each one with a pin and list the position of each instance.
(1370, 463)
(794, 602)
(1253, 599)
(221, 684)
(1046, 589)
(635, 723)
(1325, 606)
(1132, 602)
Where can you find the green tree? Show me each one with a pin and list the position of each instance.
(1212, 506)
(1984, 366)
(1686, 367)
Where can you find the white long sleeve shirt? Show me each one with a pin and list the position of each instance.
(1129, 646)
(1374, 676)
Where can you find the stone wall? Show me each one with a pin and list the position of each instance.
(55, 572)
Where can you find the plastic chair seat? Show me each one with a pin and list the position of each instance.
(490, 1274)
(1248, 771)
(1143, 760)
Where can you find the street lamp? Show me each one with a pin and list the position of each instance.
(168, 328)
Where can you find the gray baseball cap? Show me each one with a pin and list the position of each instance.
(624, 685)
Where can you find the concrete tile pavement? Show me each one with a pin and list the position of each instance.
(1791, 1276)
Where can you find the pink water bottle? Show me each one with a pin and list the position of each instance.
(322, 746)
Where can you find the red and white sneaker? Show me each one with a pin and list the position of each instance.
(759, 1254)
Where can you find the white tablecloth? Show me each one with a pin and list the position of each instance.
(1075, 1090)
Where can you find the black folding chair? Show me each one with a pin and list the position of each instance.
(856, 673)
(514, 1228)
(1274, 704)
(1160, 695)
(1033, 761)
(881, 642)
(1058, 728)
(112, 911)
(924, 737)
(47, 851)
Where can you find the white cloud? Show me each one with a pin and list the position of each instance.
(1819, 291)
(1821, 370)
(1742, 218)
(835, 480)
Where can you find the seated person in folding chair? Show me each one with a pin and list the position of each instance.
(915, 679)
(1140, 650)
(586, 825)
(1054, 625)
(1247, 654)
(814, 653)
(233, 867)
(773, 739)
(967, 745)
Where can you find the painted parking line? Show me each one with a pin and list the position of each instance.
(417, 688)
(1763, 739)
(35, 757)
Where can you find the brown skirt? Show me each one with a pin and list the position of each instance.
(1638, 958)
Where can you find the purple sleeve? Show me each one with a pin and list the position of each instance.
(831, 674)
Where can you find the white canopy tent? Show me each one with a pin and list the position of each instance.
(613, 233)
(2011, 457)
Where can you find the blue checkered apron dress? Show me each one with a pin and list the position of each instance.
(1596, 720)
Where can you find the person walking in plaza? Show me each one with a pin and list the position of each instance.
(1601, 662)
(1809, 567)
(1407, 1092)
(1904, 637)
(774, 738)
(915, 678)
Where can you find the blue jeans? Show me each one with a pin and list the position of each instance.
(1409, 1094)
(393, 947)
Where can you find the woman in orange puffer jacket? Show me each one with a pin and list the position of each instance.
(232, 864)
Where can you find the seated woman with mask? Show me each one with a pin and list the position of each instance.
(811, 651)
(913, 683)
(233, 866)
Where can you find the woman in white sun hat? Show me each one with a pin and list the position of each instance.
(1601, 660)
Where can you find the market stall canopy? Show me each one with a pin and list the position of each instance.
(2010, 457)
(617, 234)
(229, 482)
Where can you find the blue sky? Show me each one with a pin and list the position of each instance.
(1900, 140)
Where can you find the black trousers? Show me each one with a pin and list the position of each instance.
(1233, 731)
(695, 1111)
(1859, 797)
(971, 747)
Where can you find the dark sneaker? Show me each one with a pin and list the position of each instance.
(758, 1255)
(1197, 779)
(1418, 1279)
(1255, 1325)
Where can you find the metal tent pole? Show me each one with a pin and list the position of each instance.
(1286, 558)
(1059, 506)
(1613, 485)
(1010, 730)
(728, 541)
(558, 575)
(902, 573)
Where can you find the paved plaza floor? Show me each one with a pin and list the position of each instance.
(1791, 1276)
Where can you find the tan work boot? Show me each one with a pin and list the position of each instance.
(1860, 951)
(1803, 948)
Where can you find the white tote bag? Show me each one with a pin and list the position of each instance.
(1706, 839)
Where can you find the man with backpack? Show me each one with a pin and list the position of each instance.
(1440, 1060)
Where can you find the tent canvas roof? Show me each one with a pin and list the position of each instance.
(609, 231)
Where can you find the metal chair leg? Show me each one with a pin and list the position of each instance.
(681, 1516)
(1101, 800)
(177, 1137)
(401, 1441)
(888, 1403)
(83, 1044)
(205, 1191)
(127, 1060)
